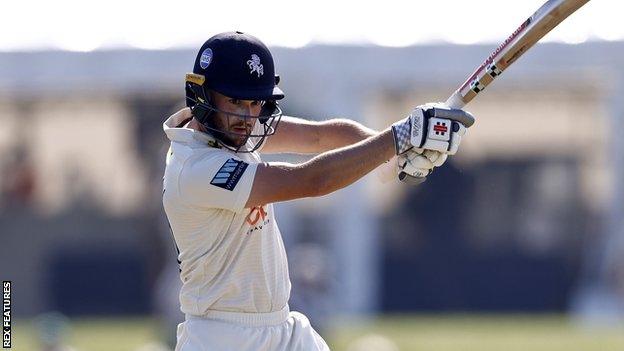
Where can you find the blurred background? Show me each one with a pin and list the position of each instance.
(516, 243)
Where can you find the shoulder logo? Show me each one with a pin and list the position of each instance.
(255, 65)
(229, 174)
(205, 58)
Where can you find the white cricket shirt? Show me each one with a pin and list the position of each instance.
(231, 258)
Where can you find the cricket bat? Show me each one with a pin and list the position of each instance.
(547, 17)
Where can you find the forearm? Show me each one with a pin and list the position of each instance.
(312, 137)
(339, 132)
(333, 170)
(323, 174)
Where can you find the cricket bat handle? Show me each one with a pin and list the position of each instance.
(455, 101)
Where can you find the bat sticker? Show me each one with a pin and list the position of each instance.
(477, 86)
(493, 71)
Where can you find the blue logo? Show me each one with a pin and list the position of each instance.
(205, 58)
(229, 174)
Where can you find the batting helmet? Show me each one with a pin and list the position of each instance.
(241, 67)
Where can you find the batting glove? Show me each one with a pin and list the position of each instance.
(432, 126)
(414, 167)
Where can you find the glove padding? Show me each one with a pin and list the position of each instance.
(414, 166)
(433, 126)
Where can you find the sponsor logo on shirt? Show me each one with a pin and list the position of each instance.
(257, 219)
(255, 214)
(229, 174)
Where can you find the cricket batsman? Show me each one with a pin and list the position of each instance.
(218, 194)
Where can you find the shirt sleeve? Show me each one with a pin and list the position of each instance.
(217, 181)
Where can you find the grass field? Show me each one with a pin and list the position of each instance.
(484, 333)
(432, 333)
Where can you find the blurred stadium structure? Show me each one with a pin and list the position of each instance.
(528, 217)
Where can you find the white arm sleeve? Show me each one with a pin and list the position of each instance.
(217, 181)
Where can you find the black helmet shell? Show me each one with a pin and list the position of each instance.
(238, 65)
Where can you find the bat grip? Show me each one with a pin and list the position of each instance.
(455, 101)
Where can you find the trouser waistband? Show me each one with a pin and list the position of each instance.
(245, 318)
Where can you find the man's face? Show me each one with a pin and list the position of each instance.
(238, 127)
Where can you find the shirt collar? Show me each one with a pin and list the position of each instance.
(178, 133)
